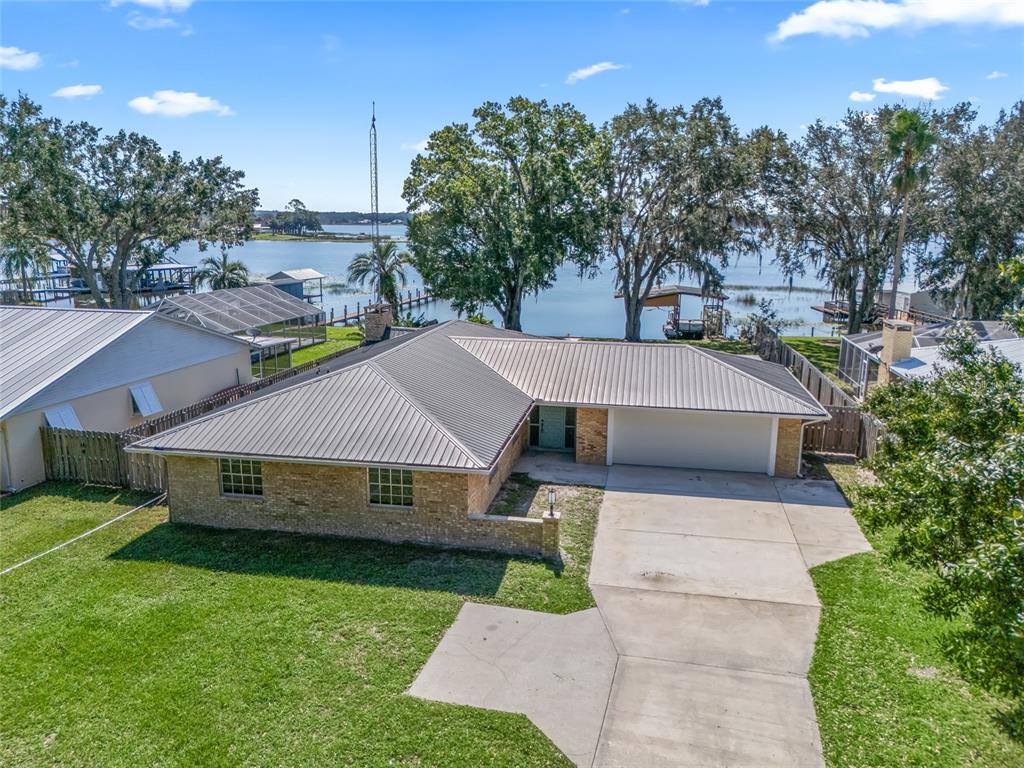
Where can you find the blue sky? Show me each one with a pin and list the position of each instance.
(283, 90)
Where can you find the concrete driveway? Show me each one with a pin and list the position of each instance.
(702, 581)
(708, 620)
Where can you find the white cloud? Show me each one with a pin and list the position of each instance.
(145, 23)
(419, 146)
(593, 69)
(77, 91)
(15, 58)
(157, 5)
(859, 18)
(862, 96)
(177, 104)
(995, 75)
(925, 88)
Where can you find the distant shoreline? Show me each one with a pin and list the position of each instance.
(325, 237)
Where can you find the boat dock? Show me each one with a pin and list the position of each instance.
(408, 301)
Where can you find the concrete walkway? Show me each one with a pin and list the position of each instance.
(707, 620)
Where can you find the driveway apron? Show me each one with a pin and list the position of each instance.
(697, 654)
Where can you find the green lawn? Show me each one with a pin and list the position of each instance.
(338, 338)
(884, 692)
(48, 514)
(156, 644)
(822, 351)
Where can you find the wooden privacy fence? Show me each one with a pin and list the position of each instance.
(100, 457)
(850, 430)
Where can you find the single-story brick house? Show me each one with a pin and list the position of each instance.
(410, 439)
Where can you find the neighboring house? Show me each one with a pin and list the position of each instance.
(923, 360)
(916, 304)
(866, 359)
(99, 370)
(411, 438)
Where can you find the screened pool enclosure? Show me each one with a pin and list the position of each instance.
(274, 321)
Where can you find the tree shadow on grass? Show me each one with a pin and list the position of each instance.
(325, 558)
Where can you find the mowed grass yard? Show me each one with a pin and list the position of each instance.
(149, 643)
(339, 338)
(884, 692)
(821, 351)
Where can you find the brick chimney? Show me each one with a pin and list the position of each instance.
(377, 318)
(897, 339)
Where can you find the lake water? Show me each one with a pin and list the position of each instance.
(581, 307)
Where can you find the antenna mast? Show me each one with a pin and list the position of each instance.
(374, 205)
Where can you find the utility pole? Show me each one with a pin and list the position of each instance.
(374, 205)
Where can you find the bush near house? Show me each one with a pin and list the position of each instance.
(951, 482)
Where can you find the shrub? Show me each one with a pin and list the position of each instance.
(951, 481)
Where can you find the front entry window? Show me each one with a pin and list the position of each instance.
(553, 428)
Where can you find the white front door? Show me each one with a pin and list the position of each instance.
(552, 427)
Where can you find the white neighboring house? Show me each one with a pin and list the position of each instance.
(99, 369)
(922, 361)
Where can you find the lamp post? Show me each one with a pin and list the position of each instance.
(551, 502)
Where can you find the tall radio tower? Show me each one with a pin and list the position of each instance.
(374, 205)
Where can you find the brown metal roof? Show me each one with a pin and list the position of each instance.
(452, 396)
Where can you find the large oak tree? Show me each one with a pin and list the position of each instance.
(977, 213)
(112, 205)
(499, 206)
(841, 214)
(682, 196)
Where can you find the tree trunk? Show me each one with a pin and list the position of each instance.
(897, 262)
(634, 312)
(853, 309)
(512, 316)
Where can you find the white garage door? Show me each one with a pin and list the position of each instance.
(662, 438)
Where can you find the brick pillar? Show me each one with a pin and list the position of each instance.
(788, 448)
(549, 536)
(591, 435)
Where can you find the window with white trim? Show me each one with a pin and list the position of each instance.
(241, 477)
(390, 487)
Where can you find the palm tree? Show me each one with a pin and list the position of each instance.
(221, 273)
(383, 268)
(22, 262)
(909, 138)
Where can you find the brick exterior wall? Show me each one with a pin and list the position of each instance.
(483, 489)
(788, 448)
(591, 435)
(448, 508)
